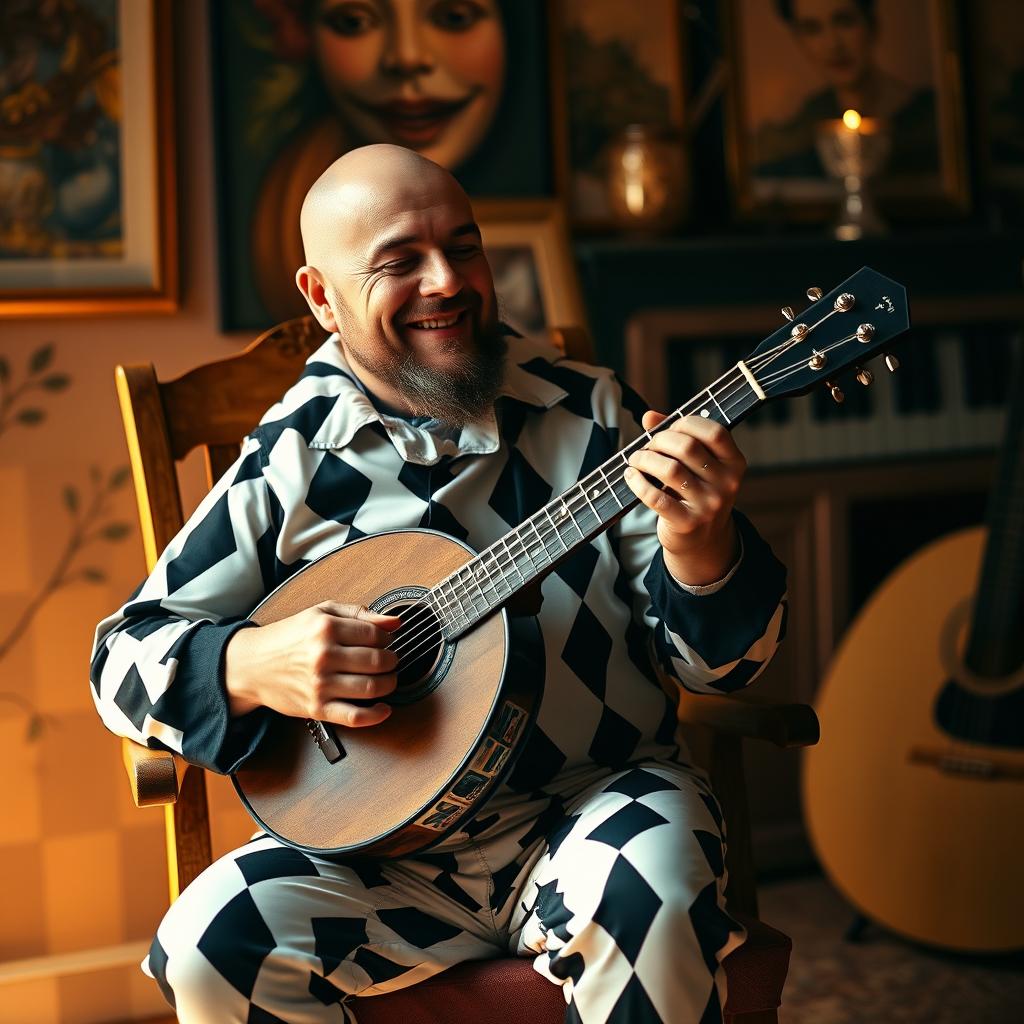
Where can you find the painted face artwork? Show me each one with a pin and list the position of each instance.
(837, 38)
(425, 74)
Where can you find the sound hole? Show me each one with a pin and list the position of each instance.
(423, 655)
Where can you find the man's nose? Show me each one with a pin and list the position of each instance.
(439, 277)
(405, 52)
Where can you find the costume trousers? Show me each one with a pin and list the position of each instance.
(614, 886)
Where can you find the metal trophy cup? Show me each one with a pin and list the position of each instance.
(853, 149)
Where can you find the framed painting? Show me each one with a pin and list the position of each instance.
(88, 222)
(797, 66)
(527, 246)
(299, 84)
(622, 65)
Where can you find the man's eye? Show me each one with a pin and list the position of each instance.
(351, 19)
(398, 266)
(464, 252)
(456, 15)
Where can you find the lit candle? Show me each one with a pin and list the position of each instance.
(853, 148)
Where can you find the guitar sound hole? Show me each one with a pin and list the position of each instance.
(423, 654)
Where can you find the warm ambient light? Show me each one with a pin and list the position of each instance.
(851, 119)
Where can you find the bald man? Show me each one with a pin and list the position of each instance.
(602, 853)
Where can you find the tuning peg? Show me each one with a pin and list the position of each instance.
(865, 376)
(835, 391)
(814, 294)
(892, 362)
(787, 312)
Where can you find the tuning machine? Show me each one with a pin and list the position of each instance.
(835, 391)
(814, 294)
(865, 376)
(891, 362)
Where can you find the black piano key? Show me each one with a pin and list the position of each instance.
(986, 359)
(917, 385)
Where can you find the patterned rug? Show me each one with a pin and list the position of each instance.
(882, 978)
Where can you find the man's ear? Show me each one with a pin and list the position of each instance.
(314, 291)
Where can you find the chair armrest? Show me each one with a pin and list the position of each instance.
(785, 725)
(154, 775)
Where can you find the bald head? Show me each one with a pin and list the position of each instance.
(361, 190)
(395, 267)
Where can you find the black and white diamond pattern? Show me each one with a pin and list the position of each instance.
(614, 889)
(325, 468)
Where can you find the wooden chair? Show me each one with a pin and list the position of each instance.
(213, 407)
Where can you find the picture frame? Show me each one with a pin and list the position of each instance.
(620, 65)
(287, 102)
(786, 84)
(527, 245)
(91, 221)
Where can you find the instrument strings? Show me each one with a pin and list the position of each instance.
(427, 616)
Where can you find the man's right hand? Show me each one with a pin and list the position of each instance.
(314, 663)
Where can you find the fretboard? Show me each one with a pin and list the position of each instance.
(581, 512)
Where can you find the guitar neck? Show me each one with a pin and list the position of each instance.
(995, 644)
(524, 555)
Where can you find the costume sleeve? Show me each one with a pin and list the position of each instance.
(713, 639)
(158, 662)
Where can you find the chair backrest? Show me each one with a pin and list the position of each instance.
(213, 407)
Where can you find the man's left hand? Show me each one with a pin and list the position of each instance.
(699, 468)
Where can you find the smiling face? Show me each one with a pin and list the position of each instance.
(837, 38)
(398, 270)
(426, 74)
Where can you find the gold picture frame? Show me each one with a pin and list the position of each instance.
(126, 263)
(527, 245)
(928, 132)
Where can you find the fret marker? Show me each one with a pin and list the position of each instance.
(596, 492)
(705, 413)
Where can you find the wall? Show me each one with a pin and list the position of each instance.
(80, 867)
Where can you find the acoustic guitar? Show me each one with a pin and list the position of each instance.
(915, 804)
(469, 673)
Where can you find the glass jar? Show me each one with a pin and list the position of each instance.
(648, 179)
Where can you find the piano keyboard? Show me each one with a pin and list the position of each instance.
(949, 395)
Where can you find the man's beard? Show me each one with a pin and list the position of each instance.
(458, 393)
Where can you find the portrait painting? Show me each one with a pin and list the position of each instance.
(622, 65)
(799, 65)
(301, 82)
(531, 260)
(86, 166)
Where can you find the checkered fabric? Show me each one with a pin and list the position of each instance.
(614, 887)
(327, 465)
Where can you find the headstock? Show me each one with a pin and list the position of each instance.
(838, 332)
